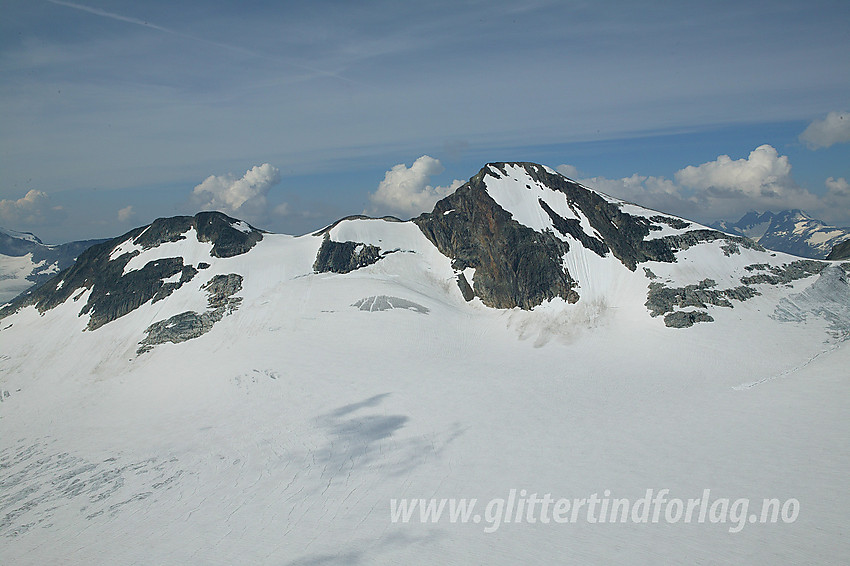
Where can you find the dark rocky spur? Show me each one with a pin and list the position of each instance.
(115, 293)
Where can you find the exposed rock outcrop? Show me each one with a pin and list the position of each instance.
(514, 265)
(113, 298)
(115, 293)
(344, 257)
(662, 299)
(190, 324)
(787, 273)
(686, 319)
(230, 237)
(840, 251)
(518, 266)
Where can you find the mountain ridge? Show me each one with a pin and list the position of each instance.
(29, 262)
(249, 397)
(509, 234)
(791, 231)
(102, 268)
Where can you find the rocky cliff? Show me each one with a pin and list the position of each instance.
(518, 265)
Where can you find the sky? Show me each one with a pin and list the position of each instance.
(291, 115)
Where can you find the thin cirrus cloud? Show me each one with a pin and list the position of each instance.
(727, 188)
(826, 132)
(114, 16)
(407, 190)
(184, 35)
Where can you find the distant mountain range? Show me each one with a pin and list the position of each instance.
(789, 231)
(26, 261)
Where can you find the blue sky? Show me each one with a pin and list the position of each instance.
(293, 114)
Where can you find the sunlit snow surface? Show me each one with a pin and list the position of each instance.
(280, 436)
(13, 276)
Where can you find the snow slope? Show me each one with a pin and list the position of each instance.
(281, 434)
(25, 261)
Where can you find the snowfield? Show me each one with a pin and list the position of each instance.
(281, 435)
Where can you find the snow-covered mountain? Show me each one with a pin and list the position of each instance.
(789, 231)
(198, 390)
(26, 261)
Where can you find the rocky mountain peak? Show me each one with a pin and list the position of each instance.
(121, 275)
(229, 236)
(513, 223)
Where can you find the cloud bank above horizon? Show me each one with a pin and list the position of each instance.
(130, 104)
(34, 209)
(726, 188)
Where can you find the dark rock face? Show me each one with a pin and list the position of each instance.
(114, 293)
(785, 274)
(686, 319)
(126, 293)
(221, 289)
(190, 324)
(178, 328)
(730, 248)
(212, 227)
(678, 242)
(572, 227)
(343, 257)
(665, 300)
(676, 223)
(517, 266)
(54, 257)
(661, 299)
(465, 288)
(840, 251)
(186, 275)
(514, 265)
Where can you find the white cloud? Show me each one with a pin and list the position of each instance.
(657, 193)
(724, 188)
(126, 213)
(244, 197)
(33, 209)
(568, 171)
(405, 190)
(833, 129)
(838, 187)
(764, 173)
(836, 201)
